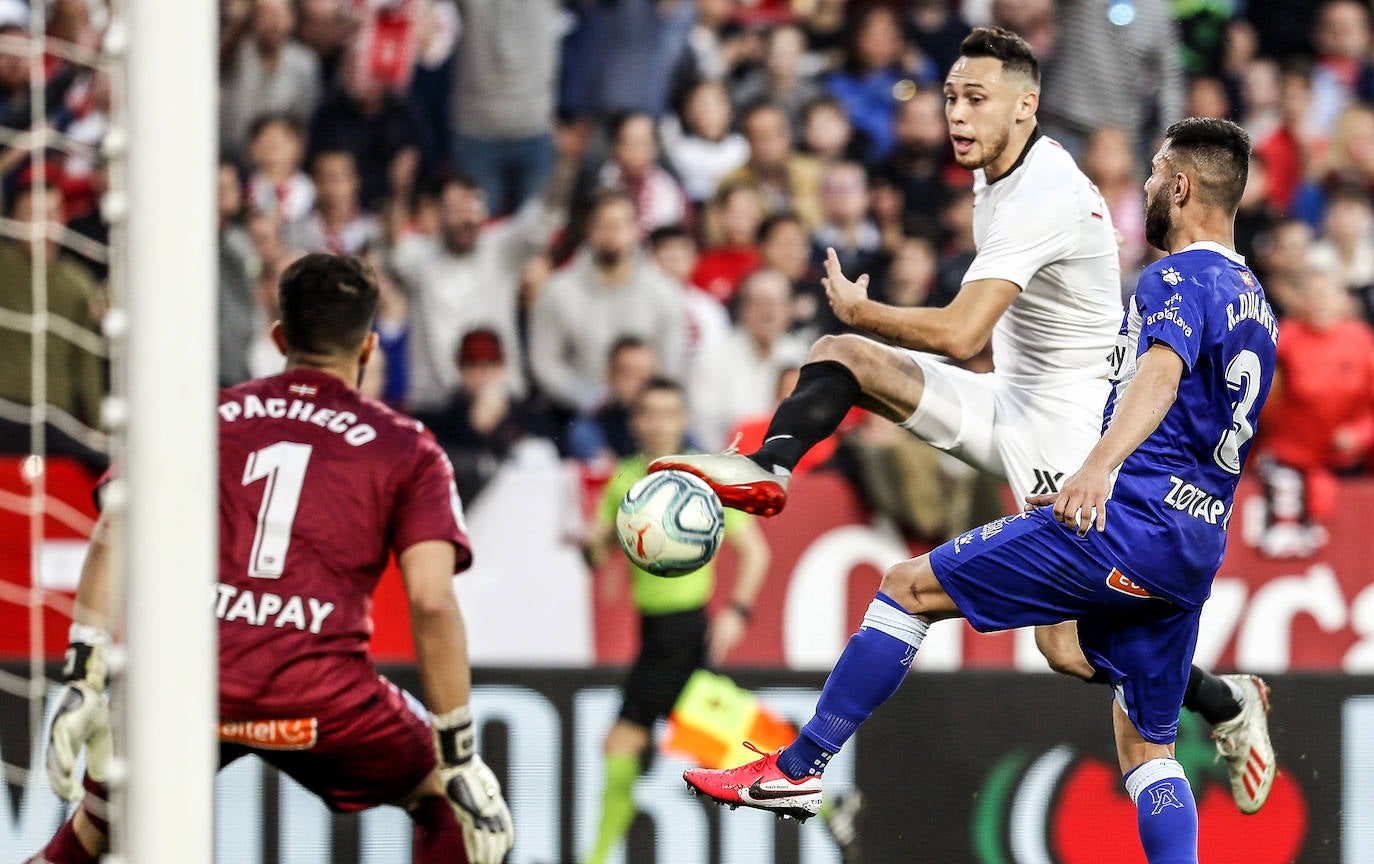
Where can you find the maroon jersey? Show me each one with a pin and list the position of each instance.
(317, 486)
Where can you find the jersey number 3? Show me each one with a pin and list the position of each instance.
(282, 465)
(1243, 373)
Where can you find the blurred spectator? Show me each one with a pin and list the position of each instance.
(609, 290)
(911, 277)
(393, 331)
(325, 27)
(733, 221)
(888, 209)
(782, 79)
(623, 57)
(1260, 100)
(264, 71)
(1348, 161)
(15, 89)
(1281, 261)
(847, 228)
(675, 252)
(468, 275)
(483, 421)
(604, 432)
(879, 70)
(738, 377)
(1286, 149)
(1207, 97)
(1204, 39)
(1319, 420)
(1345, 250)
(1033, 19)
(237, 299)
(788, 180)
(1255, 216)
(1114, 64)
(937, 28)
(503, 97)
(717, 44)
(700, 146)
(919, 163)
(74, 378)
(827, 133)
(1342, 70)
(1111, 165)
(338, 224)
(956, 234)
(634, 169)
(786, 247)
(380, 129)
(749, 432)
(276, 184)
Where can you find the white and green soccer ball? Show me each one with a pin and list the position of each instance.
(670, 523)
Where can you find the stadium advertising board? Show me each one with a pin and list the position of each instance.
(984, 768)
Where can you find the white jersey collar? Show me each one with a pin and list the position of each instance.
(1213, 246)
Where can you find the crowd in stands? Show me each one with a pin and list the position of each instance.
(565, 198)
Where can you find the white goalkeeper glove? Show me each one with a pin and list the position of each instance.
(473, 791)
(83, 715)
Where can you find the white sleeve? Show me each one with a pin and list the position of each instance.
(1027, 233)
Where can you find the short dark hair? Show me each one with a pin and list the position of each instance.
(460, 180)
(658, 384)
(668, 233)
(1015, 53)
(1218, 151)
(327, 303)
(777, 219)
(603, 198)
(262, 121)
(625, 343)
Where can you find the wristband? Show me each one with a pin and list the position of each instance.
(85, 658)
(742, 610)
(455, 735)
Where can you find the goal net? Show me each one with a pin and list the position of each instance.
(107, 285)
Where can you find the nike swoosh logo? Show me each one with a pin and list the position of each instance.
(758, 793)
(776, 438)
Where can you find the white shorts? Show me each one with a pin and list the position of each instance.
(1031, 438)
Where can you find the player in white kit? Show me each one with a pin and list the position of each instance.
(1045, 289)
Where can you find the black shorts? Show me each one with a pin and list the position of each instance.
(671, 648)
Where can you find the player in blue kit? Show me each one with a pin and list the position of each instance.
(1129, 547)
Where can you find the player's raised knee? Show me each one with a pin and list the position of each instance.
(846, 348)
(901, 581)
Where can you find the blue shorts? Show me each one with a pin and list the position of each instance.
(1028, 570)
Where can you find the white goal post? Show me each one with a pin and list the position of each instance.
(168, 703)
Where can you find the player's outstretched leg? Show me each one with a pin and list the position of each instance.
(841, 372)
(1166, 814)
(1235, 705)
(872, 667)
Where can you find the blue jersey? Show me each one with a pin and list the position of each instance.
(1171, 501)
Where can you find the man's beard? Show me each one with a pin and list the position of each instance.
(991, 149)
(607, 259)
(1158, 222)
(461, 239)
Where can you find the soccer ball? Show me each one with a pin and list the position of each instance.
(670, 523)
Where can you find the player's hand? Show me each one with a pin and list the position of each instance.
(727, 628)
(844, 295)
(1082, 502)
(472, 789)
(82, 719)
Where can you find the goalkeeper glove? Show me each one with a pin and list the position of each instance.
(473, 791)
(83, 716)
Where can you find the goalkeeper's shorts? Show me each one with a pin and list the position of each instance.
(353, 759)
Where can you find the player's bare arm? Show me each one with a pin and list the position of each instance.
(1141, 410)
(959, 330)
(729, 625)
(436, 623)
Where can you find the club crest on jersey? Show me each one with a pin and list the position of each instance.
(1172, 276)
(303, 389)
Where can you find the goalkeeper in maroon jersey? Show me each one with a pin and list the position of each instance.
(318, 486)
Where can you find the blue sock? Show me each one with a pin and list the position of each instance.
(868, 672)
(1166, 812)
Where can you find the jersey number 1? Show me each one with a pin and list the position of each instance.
(282, 465)
(1242, 373)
